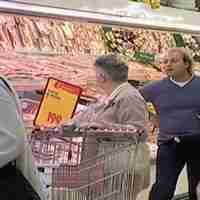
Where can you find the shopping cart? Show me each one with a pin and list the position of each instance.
(103, 164)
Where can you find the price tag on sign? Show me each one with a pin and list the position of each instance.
(58, 103)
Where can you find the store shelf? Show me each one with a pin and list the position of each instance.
(166, 19)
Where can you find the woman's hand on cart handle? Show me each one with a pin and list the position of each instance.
(92, 125)
(116, 126)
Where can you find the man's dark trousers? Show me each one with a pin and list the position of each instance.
(171, 158)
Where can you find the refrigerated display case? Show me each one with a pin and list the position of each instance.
(130, 15)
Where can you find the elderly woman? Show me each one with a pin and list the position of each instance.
(123, 107)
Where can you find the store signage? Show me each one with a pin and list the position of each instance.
(58, 103)
(179, 40)
(144, 57)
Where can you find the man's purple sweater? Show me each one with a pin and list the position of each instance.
(177, 106)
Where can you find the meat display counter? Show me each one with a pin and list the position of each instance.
(164, 19)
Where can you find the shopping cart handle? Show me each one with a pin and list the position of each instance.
(103, 133)
(74, 131)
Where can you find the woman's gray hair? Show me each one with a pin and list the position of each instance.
(113, 66)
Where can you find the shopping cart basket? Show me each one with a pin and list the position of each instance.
(104, 168)
(50, 151)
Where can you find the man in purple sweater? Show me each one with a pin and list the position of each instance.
(177, 102)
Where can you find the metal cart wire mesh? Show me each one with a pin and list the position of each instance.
(98, 165)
